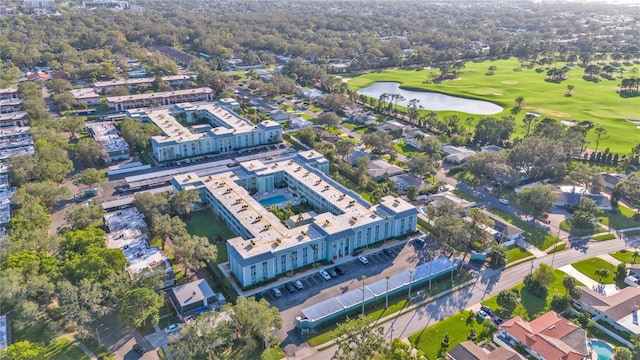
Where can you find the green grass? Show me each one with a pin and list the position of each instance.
(146, 158)
(531, 305)
(567, 225)
(603, 237)
(467, 178)
(404, 148)
(589, 267)
(206, 223)
(314, 108)
(626, 256)
(534, 235)
(350, 125)
(620, 219)
(597, 101)
(332, 130)
(560, 247)
(516, 253)
(272, 354)
(463, 195)
(306, 116)
(457, 326)
(64, 349)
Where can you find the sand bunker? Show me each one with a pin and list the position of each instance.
(508, 82)
(569, 122)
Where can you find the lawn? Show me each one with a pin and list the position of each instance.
(516, 253)
(567, 225)
(632, 233)
(457, 326)
(597, 101)
(603, 237)
(621, 219)
(332, 130)
(404, 148)
(626, 256)
(206, 223)
(350, 125)
(534, 235)
(64, 349)
(590, 266)
(530, 304)
(560, 247)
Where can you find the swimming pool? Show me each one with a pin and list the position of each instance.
(604, 350)
(274, 200)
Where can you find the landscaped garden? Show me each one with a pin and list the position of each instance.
(531, 305)
(567, 225)
(626, 256)
(534, 235)
(620, 218)
(599, 270)
(206, 223)
(457, 328)
(404, 148)
(594, 100)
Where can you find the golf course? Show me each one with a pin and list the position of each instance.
(594, 100)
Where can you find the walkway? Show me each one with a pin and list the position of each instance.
(72, 337)
(607, 290)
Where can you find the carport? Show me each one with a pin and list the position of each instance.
(340, 306)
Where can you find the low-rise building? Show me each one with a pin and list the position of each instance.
(10, 105)
(265, 247)
(105, 87)
(406, 180)
(619, 310)
(7, 94)
(86, 96)
(571, 196)
(229, 103)
(108, 4)
(195, 297)
(611, 180)
(456, 155)
(281, 116)
(6, 194)
(40, 4)
(122, 103)
(380, 168)
(15, 141)
(549, 337)
(311, 94)
(390, 126)
(115, 147)
(129, 218)
(14, 119)
(4, 332)
(468, 350)
(226, 131)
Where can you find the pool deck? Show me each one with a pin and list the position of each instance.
(286, 193)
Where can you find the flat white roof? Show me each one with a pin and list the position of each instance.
(84, 93)
(138, 81)
(160, 95)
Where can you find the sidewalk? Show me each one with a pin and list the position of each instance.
(607, 290)
(610, 259)
(530, 248)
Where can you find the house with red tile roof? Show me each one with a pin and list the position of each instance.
(39, 77)
(468, 350)
(550, 337)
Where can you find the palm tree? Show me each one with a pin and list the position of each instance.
(635, 255)
(599, 132)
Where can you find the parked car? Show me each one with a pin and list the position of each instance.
(483, 315)
(332, 272)
(420, 242)
(386, 252)
(171, 328)
(499, 321)
(325, 275)
(363, 259)
(339, 270)
(487, 310)
(139, 349)
(276, 292)
(290, 288)
(298, 284)
(503, 201)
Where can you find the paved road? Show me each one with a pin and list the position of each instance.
(490, 282)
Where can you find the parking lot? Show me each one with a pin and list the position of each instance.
(400, 256)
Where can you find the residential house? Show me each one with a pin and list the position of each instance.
(364, 118)
(380, 168)
(456, 155)
(310, 94)
(299, 123)
(504, 232)
(86, 95)
(571, 196)
(405, 180)
(38, 77)
(611, 180)
(193, 298)
(281, 116)
(548, 337)
(447, 196)
(494, 148)
(358, 153)
(390, 126)
(468, 350)
(619, 310)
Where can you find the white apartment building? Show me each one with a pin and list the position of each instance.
(224, 131)
(265, 248)
(122, 103)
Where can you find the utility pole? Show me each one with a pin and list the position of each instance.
(553, 257)
(410, 280)
(363, 279)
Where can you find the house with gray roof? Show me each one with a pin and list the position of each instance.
(193, 298)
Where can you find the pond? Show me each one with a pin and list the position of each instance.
(432, 100)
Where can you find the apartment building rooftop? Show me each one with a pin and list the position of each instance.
(108, 136)
(139, 81)
(122, 219)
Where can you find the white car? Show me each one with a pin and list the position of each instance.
(483, 315)
(503, 201)
(363, 259)
(325, 275)
(172, 328)
(298, 284)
